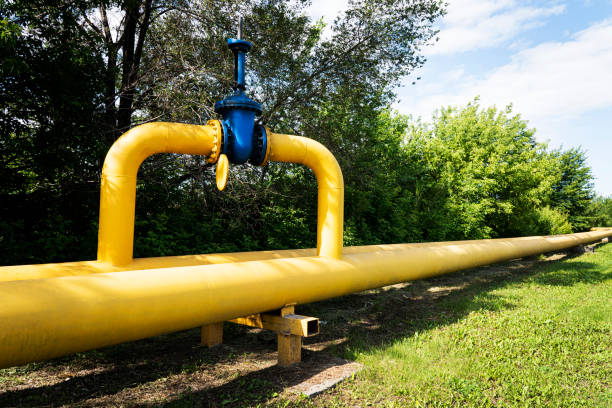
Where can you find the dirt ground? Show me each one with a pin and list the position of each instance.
(173, 370)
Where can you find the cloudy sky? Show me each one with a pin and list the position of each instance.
(551, 59)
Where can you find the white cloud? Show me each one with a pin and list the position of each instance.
(552, 81)
(476, 24)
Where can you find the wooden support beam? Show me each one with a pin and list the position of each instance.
(212, 334)
(289, 349)
(290, 329)
(289, 345)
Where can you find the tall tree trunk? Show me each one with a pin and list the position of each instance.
(134, 35)
(110, 92)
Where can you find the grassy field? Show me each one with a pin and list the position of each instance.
(544, 339)
(534, 332)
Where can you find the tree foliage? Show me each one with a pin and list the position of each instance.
(74, 75)
(601, 211)
(487, 172)
(573, 193)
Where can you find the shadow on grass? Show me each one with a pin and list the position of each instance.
(574, 273)
(350, 325)
(397, 313)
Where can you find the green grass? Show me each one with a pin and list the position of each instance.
(528, 333)
(544, 340)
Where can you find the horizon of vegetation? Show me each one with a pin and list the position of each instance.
(72, 83)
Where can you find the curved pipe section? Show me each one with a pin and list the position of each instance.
(330, 206)
(47, 318)
(118, 185)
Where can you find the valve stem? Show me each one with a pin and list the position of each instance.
(240, 27)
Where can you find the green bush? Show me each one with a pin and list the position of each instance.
(545, 221)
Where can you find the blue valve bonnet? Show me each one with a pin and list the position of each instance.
(241, 140)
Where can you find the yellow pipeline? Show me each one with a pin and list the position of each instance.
(330, 207)
(45, 318)
(118, 185)
(51, 270)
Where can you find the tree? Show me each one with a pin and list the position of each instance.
(573, 193)
(601, 211)
(50, 91)
(76, 74)
(332, 90)
(493, 172)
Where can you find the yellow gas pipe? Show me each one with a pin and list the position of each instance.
(330, 210)
(44, 318)
(52, 270)
(118, 184)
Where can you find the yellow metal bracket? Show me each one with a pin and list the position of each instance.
(297, 325)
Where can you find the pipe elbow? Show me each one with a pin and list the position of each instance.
(134, 146)
(324, 165)
(330, 207)
(118, 184)
(309, 152)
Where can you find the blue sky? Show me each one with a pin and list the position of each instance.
(552, 60)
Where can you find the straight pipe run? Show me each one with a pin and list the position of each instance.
(51, 270)
(46, 318)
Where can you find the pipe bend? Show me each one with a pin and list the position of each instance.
(134, 146)
(330, 210)
(118, 184)
(309, 152)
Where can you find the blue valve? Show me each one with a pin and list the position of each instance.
(242, 140)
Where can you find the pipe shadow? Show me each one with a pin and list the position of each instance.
(225, 377)
(85, 379)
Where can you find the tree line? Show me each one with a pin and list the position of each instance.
(75, 75)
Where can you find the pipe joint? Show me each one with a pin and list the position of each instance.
(215, 150)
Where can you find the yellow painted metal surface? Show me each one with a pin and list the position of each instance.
(330, 206)
(298, 325)
(222, 171)
(118, 184)
(45, 312)
(217, 130)
(23, 272)
(45, 318)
